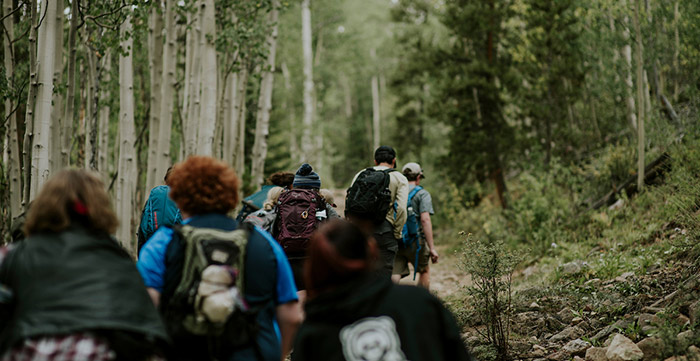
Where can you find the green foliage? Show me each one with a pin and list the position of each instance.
(490, 265)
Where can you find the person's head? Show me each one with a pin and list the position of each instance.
(167, 175)
(385, 155)
(202, 185)
(327, 196)
(281, 179)
(272, 196)
(72, 196)
(413, 172)
(339, 252)
(306, 178)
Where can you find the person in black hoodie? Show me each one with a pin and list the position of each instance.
(70, 291)
(353, 314)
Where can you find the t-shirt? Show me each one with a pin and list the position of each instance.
(268, 276)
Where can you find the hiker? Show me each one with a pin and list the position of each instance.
(254, 202)
(71, 292)
(352, 313)
(417, 245)
(376, 201)
(266, 217)
(299, 211)
(158, 211)
(192, 273)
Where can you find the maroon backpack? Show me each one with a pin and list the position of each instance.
(296, 219)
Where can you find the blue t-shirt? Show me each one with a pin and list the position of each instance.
(268, 276)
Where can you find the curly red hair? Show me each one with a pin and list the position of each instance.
(202, 185)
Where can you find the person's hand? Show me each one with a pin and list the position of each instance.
(434, 256)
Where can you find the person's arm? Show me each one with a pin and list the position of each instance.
(155, 295)
(401, 203)
(289, 318)
(151, 263)
(427, 226)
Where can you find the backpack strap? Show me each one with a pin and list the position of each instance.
(415, 190)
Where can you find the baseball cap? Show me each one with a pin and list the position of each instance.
(413, 168)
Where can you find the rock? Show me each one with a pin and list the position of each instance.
(593, 282)
(538, 351)
(685, 337)
(596, 354)
(572, 267)
(677, 358)
(693, 312)
(566, 314)
(530, 271)
(652, 347)
(568, 333)
(682, 320)
(623, 349)
(623, 277)
(558, 356)
(648, 322)
(693, 353)
(605, 332)
(576, 320)
(535, 306)
(576, 347)
(576, 358)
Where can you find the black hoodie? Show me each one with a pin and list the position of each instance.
(373, 319)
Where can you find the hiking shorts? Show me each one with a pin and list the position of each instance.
(404, 256)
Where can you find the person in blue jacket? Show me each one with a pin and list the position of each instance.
(206, 190)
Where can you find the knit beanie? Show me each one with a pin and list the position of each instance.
(306, 178)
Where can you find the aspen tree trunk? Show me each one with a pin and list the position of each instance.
(640, 98)
(31, 99)
(55, 138)
(230, 122)
(240, 138)
(43, 107)
(676, 50)
(629, 85)
(155, 59)
(193, 55)
(222, 105)
(289, 110)
(67, 119)
(205, 137)
(376, 116)
(13, 153)
(103, 143)
(127, 161)
(166, 92)
(262, 124)
(306, 142)
(91, 110)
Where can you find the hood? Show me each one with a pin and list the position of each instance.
(348, 302)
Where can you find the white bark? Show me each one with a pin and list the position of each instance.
(629, 85)
(167, 92)
(127, 161)
(289, 110)
(640, 99)
(307, 144)
(155, 59)
(13, 153)
(103, 142)
(239, 157)
(55, 139)
(42, 122)
(676, 49)
(376, 116)
(31, 100)
(90, 115)
(67, 119)
(192, 122)
(230, 122)
(205, 138)
(262, 123)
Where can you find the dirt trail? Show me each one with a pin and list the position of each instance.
(445, 276)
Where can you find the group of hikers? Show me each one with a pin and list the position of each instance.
(288, 274)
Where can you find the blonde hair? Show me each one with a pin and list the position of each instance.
(327, 196)
(71, 196)
(272, 196)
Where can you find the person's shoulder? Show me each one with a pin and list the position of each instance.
(402, 178)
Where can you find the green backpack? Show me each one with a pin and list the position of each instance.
(210, 291)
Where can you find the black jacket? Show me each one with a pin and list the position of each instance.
(371, 317)
(76, 281)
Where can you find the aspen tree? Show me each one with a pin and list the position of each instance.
(306, 144)
(155, 59)
(640, 97)
(207, 118)
(55, 138)
(43, 107)
(67, 119)
(103, 142)
(31, 99)
(12, 141)
(167, 91)
(262, 124)
(127, 160)
(627, 55)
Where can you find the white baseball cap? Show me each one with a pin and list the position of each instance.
(413, 168)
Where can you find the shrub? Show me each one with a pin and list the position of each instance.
(490, 265)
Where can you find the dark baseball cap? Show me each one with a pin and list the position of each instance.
(385, 149)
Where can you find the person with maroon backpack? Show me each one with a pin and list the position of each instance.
(300, 210)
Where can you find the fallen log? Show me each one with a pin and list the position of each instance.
(651, 172)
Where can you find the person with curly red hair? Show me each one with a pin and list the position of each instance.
(206, 190)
